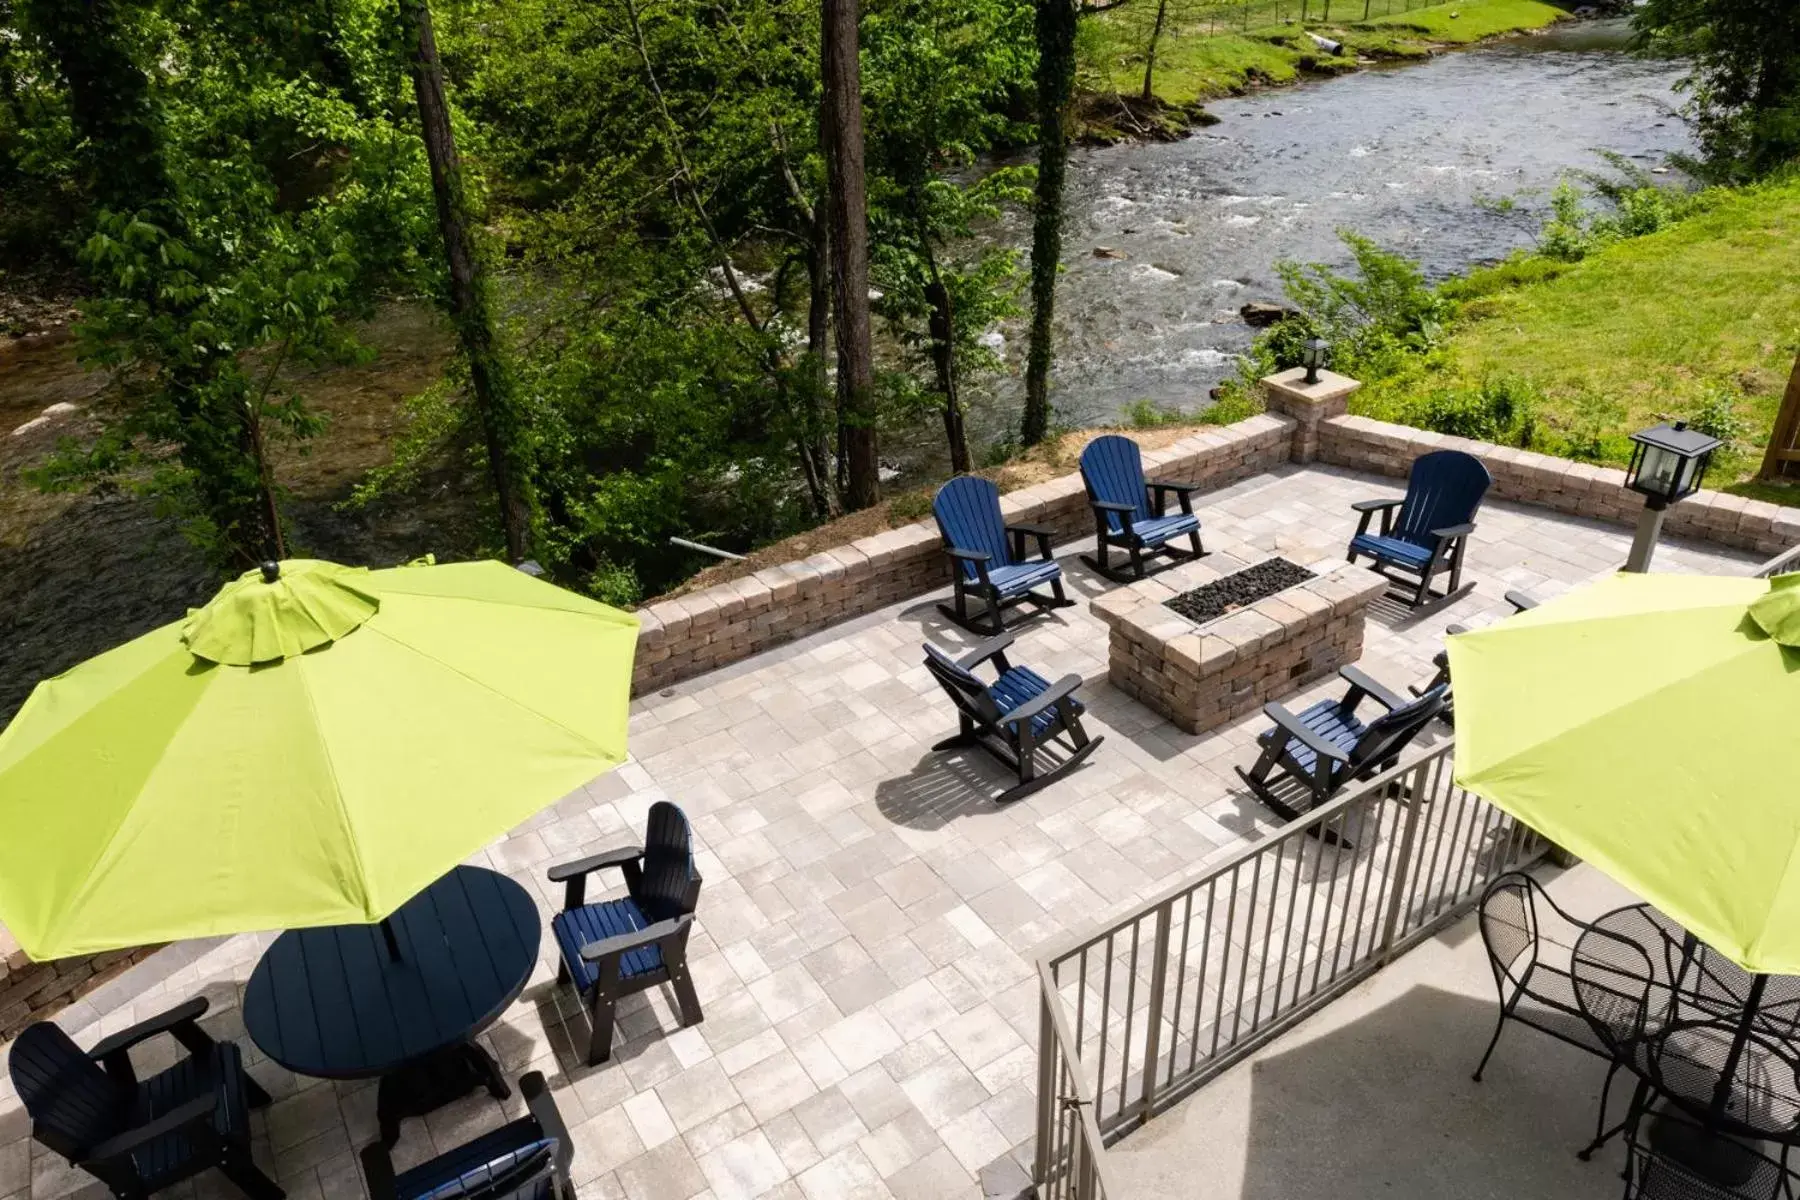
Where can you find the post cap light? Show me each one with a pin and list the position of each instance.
(1312, 357)
(1669, 462)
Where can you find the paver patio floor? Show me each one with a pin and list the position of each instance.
(870, 917)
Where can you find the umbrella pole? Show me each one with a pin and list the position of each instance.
(393, 943)
(1722, 1093)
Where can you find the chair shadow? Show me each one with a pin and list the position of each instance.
(945, 785)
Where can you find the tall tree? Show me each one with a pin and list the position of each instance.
(495, 396)
(848, 220)
(1744, 81)
(1056, 28)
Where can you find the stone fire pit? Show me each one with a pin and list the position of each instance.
(1203, 674)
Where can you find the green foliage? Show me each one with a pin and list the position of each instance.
(1744, 84)
(1502, 410)
(1147, 414)
(1717, 414)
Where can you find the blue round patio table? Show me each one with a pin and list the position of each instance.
(402, 1000)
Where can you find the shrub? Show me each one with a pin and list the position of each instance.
(1503, 410)
(1717, 415)
(1147, 414)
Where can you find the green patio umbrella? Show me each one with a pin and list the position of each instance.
(313, 747)
(1646, 723)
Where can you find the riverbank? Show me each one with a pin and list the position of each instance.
(1700, 321)
(1206, 53)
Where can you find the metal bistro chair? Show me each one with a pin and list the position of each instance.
(1128, 509)
(1426, 531)
(987, 556)
(526, 1159)
(1543, 997)
(616, 948)
(139, 1137)
(1671, 1156)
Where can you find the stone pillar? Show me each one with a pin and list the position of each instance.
(1308, 404)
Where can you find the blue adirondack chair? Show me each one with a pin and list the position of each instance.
(526, 1159)
(1323, 747)
(1021, 718)
(987, 556)
(1427, 531)
(1129, 510)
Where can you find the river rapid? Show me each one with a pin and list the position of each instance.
(1419, 157)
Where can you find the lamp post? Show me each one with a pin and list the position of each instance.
(1667, 464)
(1312, 357)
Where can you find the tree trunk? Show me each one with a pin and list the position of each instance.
(847, 208)
(816, 451)
(495, 402)
(1056, 85)
(943, 356)
(1162, 12)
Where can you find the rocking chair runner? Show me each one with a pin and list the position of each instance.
(987, 556)
(1327, 745)
(139, 1137)
(1016, 718)
(1427, 531)
(617, 947)
(1128, 509)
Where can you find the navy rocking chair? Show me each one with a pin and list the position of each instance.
(1320, 749)
(1129, 510)
(1426, 532)
(139, 1137)
(1019, 718)
(616, 948)
(526, 1159)
(987, 556)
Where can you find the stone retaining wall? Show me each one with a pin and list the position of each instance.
(1579, 489)
(705, 630)
(33, 991)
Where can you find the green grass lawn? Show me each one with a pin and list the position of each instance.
(1207, 51)
(1640, 331)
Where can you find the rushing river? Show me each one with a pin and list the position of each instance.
(1417, 157)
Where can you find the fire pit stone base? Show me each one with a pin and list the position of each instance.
(1202, 676)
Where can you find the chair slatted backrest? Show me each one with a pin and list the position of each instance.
(1112, 468)
(1444, 488)
(968, 515)
(964, 686)
(510, 1176)
(73, 1103)
(1390, 733)
(671, 885)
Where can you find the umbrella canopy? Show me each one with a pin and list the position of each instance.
(1645, 723)
(313, 747)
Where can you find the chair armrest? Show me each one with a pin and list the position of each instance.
(1521, 602)
(974, 556)
(1292, 726)
(1169, 485)
(1061, 690)
(1369, 506)
(542, 1106)
(595, 862)
(172, 1021)
(573, 875)
(1454, 531)
(624, 943)
(1456, 630)
(1360, 682)
(1043, 534)
(1112, 506)
(197, 1111)
(982, 651)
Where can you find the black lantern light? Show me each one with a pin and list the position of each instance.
(1668, 464)
(1312, 357)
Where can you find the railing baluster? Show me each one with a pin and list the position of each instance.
(1237, 1015)
(1131, 979)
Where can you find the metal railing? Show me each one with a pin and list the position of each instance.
(1781, 564)
(1139, 1014)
